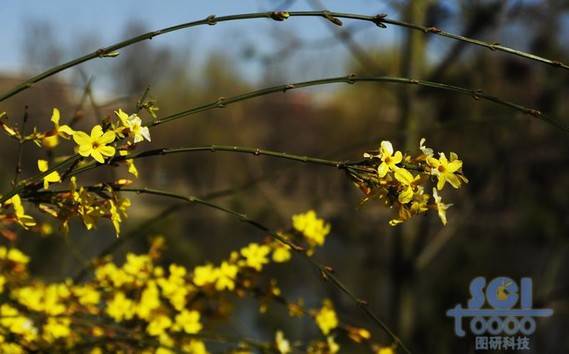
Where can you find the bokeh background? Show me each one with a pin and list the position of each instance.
(510, 220)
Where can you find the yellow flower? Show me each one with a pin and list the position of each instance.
(56, 327)
(447, 170)
(281, 253)
(130, 164)
(188, 321)
(420, 201)
(149, 301)
(283, 345)
(206, 274)
(53, 177)
(158, 325)
(13, 255)
(389, 160)
(425, 150)
(24, 220)
(137, 264)
(86, 294)
(11, 319)
(133, 126)
(194, 347)
(51, 138)
(385, 350)
(120, 307)
(408, 181)
(95, 145)
(441, 207)
(255, 255)
(333, 347)
(326, 318)
(115, 217)
(226, 274)
(11, 348)
(314, 229)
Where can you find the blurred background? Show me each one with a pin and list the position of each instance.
(510, 220)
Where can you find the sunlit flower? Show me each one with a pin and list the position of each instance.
(51, 138)
(204, 275)
(385, 350)
(441, 207)
(195, 347)
(408, 181)
(120, 307)
(446, 171)
(149, 301)
(130, 164)
(256, 255)
(188, 321)
(333, 347)
(313, 228)
(132, 126)
(282, 344)
(56, 327)
(226, 274)
(52, 177)
(389, 160)
(96, 144)
(24, 220)
(428, 152)
(158, 325)
(326, 318)
(281, 253)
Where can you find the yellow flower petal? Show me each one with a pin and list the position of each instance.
(42, 165)
(397, 157)
(96, 132)
(454, 166)
(108, 151)
(82, 138)
(97, 156)
(85, 150)
(404, 176)
(55, 116)
(65, 131)
(106, 138)
(382, 170)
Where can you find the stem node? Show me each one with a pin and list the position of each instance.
(327, 15)
(279, 15)
(378, 20)
(211, 20)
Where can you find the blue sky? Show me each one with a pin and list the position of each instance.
(72, 20)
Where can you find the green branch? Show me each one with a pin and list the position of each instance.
(224, 148)
(352, 79)
(380, 20)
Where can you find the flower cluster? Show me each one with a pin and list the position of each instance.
(401, 180)
(158, 307)
(116, 136)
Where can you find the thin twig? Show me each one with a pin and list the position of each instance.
(225, 148)
(380, 20)
(20, 148)
(352, 79)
